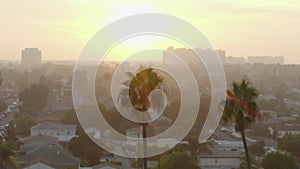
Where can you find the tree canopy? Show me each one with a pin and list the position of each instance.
(290, 143)
(91, 152)
(279, 161)
(7, 156)
(35, 97)
(23, 123)
(177, 160)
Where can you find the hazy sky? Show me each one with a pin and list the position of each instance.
(60, 28)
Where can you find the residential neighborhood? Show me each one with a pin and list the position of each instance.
(95, 84)
(47, 134)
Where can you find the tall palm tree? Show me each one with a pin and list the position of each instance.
(7, 156)
(138, 89)
(241, 108)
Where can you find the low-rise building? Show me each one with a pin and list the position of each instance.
(64, 132)
(225, 141)
(53, 156)
(280, 130)
(34, 142)
(218, 159)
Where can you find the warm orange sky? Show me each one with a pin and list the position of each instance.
(60, 28)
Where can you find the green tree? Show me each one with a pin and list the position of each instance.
(279, 161)
(138, 89)
(257, 148)
(290, 143)
(23, 123)
(7, 156)
(84, 163)
(84, 148)
(1, 79)
(35, 97)
(3, 105)
(10, 134)
(241, 108)
(91, 153)
(177, 160)
(194, 146)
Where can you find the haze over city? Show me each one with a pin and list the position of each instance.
(92, 84)
(61, 28)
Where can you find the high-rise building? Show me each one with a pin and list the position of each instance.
(190, 56)
(266, 59)
(31, 56)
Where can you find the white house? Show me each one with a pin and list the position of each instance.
(280, 130)
(38, 165)
(64, 133)
(229, 146)
(225, 141)
(218, 159)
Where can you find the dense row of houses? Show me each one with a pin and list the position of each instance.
(44, 149)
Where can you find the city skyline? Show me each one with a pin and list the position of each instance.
(61, 28)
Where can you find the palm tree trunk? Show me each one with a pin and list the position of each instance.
(246, 149)
(144, 125)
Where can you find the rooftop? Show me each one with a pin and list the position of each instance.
(215, 153)
(39, 138)
(54, 154)
(284, 127)
(48, 125)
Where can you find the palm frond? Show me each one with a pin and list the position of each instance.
(241, 105)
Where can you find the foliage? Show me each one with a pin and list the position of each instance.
(23, 123)
(7, 156)
(177, 160)
(84, 148)
(259, 130)
(139, 87)
(3, 105)
(290, 143)
(84, 163)
(70, 118)
(91, 153)
(194, 146)
(1, 79)
(242, 107)
(279, 161)
(257, 148)
(10, 134)
(35, 97)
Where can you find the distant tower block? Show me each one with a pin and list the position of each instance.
(31, 56)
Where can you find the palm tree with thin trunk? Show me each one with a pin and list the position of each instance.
(138, 89)
(241, 108)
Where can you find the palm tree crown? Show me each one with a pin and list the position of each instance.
(139, 87)
(240, 106)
